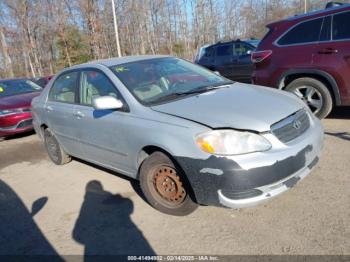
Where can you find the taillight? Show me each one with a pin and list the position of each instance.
(259, 56)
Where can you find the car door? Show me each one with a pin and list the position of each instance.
(103, 133)
(298, 45)
(333, 52)
(60, 107)
(225, 60)
(244, 68)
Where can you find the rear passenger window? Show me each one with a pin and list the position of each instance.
(326, 29)
(305, 32)
(63, 90)
(224, 50)
(341, 26)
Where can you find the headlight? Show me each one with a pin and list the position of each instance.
(230, 142)
(10, 112)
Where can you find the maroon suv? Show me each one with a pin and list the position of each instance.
(308, 55)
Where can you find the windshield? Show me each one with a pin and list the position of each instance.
(161, 80)
(16, 87)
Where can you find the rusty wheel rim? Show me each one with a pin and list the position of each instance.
(168, 185)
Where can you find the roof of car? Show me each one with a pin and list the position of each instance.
(317, 13)
(125, 59)
(229, 42)
(321, 12)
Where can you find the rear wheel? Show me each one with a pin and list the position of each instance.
(314, 93)
(54, 150)
(165, 186)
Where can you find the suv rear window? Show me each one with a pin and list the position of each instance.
(305, 32)
(341, 29)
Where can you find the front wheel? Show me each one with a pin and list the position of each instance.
(165, 186)
(314, 93)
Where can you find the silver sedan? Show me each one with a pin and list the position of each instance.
(187, 134)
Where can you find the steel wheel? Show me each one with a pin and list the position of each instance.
(165, 186)
(311, 96)
(168, 185)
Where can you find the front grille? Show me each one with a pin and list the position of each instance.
(25, 123)
(291, 127)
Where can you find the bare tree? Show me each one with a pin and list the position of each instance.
(39, 37)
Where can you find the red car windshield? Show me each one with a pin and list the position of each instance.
(16, 87)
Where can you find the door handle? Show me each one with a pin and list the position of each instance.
(328, 51)
(49, 108)
(78, 114)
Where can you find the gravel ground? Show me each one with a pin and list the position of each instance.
(82, 209)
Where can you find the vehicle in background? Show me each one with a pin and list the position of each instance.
(253, 41)
(15, 105)
(308, 55)
(200, 53)
(231, 59)
(187, 134)
(42, 81)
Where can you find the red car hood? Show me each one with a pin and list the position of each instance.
(17, 101)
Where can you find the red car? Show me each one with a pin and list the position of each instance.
(308, 55)
(15, 98)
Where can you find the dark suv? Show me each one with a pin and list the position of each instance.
(231, 59)
(308, 55)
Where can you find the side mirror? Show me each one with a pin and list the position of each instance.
(106, 102)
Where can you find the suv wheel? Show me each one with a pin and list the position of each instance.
(165, 186)
(314, 93)
(54, 150)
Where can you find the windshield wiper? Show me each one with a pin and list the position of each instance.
(198, 90)
(203, 89)
(166, 98)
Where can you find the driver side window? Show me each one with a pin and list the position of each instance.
(95, 84)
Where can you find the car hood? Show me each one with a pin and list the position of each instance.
(17, 101)
(240, 106)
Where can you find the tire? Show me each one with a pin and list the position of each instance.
(54, 150)
(309, 89)
(159, 174)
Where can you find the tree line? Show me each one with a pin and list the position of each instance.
(40, 37)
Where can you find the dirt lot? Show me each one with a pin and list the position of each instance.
(82, 209)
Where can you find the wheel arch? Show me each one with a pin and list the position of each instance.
(42, 129)
(290, 75)
(146, 151)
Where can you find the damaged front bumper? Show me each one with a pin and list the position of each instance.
(251, 179)
(264, 193)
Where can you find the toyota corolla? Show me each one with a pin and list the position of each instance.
(188, 135)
